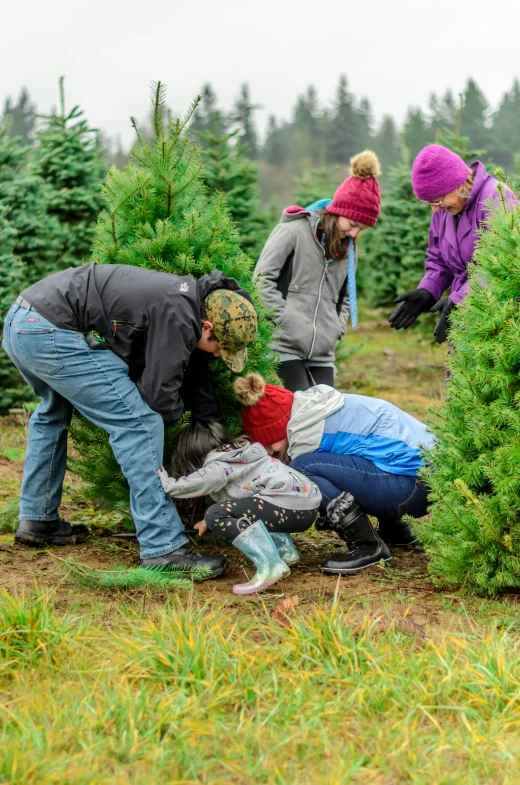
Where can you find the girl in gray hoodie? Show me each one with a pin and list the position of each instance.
(259, 500)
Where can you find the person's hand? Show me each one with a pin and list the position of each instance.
(444, 307)
(412, 304)
(202, 528)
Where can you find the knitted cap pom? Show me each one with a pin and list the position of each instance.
(365, 165)
(249, 389)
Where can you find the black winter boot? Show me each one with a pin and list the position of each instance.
(398, 534)
(188, 561)
(58, 532)
(365, 547)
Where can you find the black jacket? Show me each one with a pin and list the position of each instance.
(151, 320)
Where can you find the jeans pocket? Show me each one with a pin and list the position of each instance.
(416, 504)
(38, 347)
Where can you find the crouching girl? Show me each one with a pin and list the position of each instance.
(259, 500)
(363, 453)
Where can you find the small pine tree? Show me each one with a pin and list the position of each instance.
(160, 215)
(69, 161)
(473, 536)
(226, 169)
(30, 240)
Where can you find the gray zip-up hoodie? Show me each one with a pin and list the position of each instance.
(308, 315)
(244, 472)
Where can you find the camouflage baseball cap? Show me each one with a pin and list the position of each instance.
(234, 325)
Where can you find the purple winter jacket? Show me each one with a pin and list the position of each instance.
(451, 242)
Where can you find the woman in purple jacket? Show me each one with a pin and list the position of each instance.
(459, 197)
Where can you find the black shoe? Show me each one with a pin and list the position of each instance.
(399, 535)
(58, 532)
(365, 547)
(188, 561)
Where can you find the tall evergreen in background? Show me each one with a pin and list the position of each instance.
(386, 145)
(30, 240)
(19, 118)
(243, 120)
(472, 537)
(68, 160)
(226, 169)
(160, 215)
(505, 142)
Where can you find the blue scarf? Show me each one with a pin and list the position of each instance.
(351, 269)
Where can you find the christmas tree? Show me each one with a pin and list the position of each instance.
(69, 161)
(473, 537)
(226, 169)
(160, 215)
(30, 240)
(392, 260)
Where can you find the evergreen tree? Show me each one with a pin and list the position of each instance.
(69, 161)
(505, 139)
(306, 139)
(30, 240)
(243, 119)
(416, 132)
(205, 116)
(473, 535)
(343, 137)
(277, 146)
(475, 117)
(443, 112)
(386, 144)
(316, 184)
(393, 255)
(159, 215)
(226, 169)
(20, 118)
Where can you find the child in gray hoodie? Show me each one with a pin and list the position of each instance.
(259, 499)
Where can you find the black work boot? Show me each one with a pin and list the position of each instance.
(58, 532)
(365, 547)
(188, 561)
(398, 534)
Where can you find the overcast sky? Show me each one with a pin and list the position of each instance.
(393, 51)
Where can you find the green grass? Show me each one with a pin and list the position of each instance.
(201, 694)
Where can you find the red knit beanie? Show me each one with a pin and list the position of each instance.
(267, 408)
(358, 198)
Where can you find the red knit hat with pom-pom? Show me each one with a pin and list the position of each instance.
(267, 408)
(358, 198)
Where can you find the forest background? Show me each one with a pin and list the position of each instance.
(52, 166)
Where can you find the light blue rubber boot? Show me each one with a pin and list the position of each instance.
(257, 544)
(285, 547)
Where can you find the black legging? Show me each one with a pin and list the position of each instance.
(297, 376)
(230, 518)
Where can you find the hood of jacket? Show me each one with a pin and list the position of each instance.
(295, 213)
(249, 453)
(309, 411)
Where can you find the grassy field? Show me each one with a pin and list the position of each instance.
(380, 678)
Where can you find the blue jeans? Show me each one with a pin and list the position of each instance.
(385, 496)
(65, 372)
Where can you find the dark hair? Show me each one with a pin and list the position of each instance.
(196, 441)
(336, 247)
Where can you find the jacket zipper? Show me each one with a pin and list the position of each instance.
(315, 318)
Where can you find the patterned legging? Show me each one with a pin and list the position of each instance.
(230, 518)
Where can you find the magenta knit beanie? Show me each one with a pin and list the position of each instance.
(358, 198)
(436, 172)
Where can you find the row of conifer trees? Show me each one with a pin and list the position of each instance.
(164, 211)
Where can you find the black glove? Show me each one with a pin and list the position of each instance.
(444, 307)
(413, 303)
